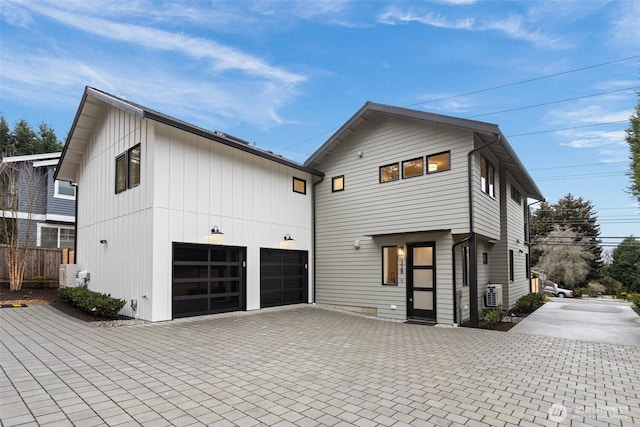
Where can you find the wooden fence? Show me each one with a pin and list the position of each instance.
(43, 264)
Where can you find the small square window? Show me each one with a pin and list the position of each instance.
(389, 172)
(64, 190)
(121, 173)
(438, 162)
(299, 185)
(337, 183)
(413, 167)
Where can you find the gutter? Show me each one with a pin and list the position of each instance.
(473, 247)
(313, 233)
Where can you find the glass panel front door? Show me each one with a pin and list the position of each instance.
(421, 286)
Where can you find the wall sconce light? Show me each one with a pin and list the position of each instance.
(288, 238)
(356, 244)
(103, 241)
(216, 235)
(401, 252)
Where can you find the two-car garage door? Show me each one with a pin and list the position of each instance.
(211, 279)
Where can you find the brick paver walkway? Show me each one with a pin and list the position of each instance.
(305, 366)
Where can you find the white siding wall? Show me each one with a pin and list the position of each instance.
(199, 184)
(122, 266)
(351, 277)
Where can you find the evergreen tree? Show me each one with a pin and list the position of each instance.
(6, 144)
(633, 138)
(23, 140)
(625, 266)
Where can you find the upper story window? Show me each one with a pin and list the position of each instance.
(413, 167)
(390, 172)
(128, 169)
(438, 162)
(64, 190)
(299, 185)
(337, 183)
(487, 177)
(515, 195)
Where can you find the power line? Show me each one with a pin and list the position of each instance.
(579, 166)
(552, 102)
(567, 128)
(526, 81)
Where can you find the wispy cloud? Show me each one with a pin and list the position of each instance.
(395, 15)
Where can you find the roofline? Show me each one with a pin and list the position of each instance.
(142, 112)
(32, 157)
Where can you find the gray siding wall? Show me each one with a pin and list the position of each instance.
(57, 205)
(486, 209)
(349, 276)
(32, 195)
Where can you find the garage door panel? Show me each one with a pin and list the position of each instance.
(190, 305)
(190, 271)
(283, 277)
(190, 288)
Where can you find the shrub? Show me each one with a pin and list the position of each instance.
(634, 298)
(92, 302)
(491, 316)
(621, 292)
(529, 302)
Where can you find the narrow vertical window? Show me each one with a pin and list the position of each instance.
(465, 266)
(511, 276)
(121, 173)
(527, 266)
(487, 177)
(133, 166)
(337, 183)
(390, 265)
(299, 185)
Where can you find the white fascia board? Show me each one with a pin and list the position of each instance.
(45, 163)
(61, 218)
(32, 157)
(23, 215)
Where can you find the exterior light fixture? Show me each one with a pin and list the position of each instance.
(103, 241)
(401, 252)
(288, 238)
(215, 230)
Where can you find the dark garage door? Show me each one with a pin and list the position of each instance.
(283, 277)
(208, 279)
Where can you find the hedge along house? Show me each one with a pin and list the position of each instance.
(180, 221)
(417, 214)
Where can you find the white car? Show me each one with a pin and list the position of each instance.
(553, 289)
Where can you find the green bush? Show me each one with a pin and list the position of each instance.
(621, 292)
(102, 305)
(491, 316)
(634, 298)
(529, 302)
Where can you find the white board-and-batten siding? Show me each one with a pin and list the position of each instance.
(437, 201)
(188, 185)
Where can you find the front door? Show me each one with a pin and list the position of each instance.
(421, 281)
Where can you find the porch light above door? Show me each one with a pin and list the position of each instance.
(288, 238)
(215, 230)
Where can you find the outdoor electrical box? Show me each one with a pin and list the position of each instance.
(67, 275)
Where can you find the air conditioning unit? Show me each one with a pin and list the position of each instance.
(67, 275)
(494, 295)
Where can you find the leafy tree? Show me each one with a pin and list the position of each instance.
(571, 213)
(565, 256)
(24, 140)
(633, 138)
(625, 267)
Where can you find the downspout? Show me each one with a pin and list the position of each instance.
(473, 247)
(75, 225)
(453, 265)
(313, 232)
(529, 241)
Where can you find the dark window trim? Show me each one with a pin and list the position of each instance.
(516, 196)
(122, 157)
(304, 185)
(333, 183)
(527, 266)
(438, 154)
(465, 266)
(511, 275)
(413, 160)
(386, 166)
(382, 259)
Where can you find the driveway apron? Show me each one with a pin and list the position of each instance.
(304, 366)
(594, 320)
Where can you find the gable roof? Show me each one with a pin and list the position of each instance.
(487, 132)
(89, 110)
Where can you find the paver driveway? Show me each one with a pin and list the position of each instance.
(305, 366)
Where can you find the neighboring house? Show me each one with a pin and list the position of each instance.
(417, 214)
(155, 195)
(400, 214)
(42, 208)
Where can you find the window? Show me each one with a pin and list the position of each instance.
(438, 162)
(121, 173)
(64, 190)
(389, 172)
(128, 169)
(390, 265)
(487, 177)
(527, 266)
(337, 183)
(413, 167)
(133, 167)
(299, 185)
(511, 277)
(515, 195)
(56, 237)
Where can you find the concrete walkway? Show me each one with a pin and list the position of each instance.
(595, 320)
(305, 366)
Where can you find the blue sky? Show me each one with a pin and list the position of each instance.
(285, 75)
